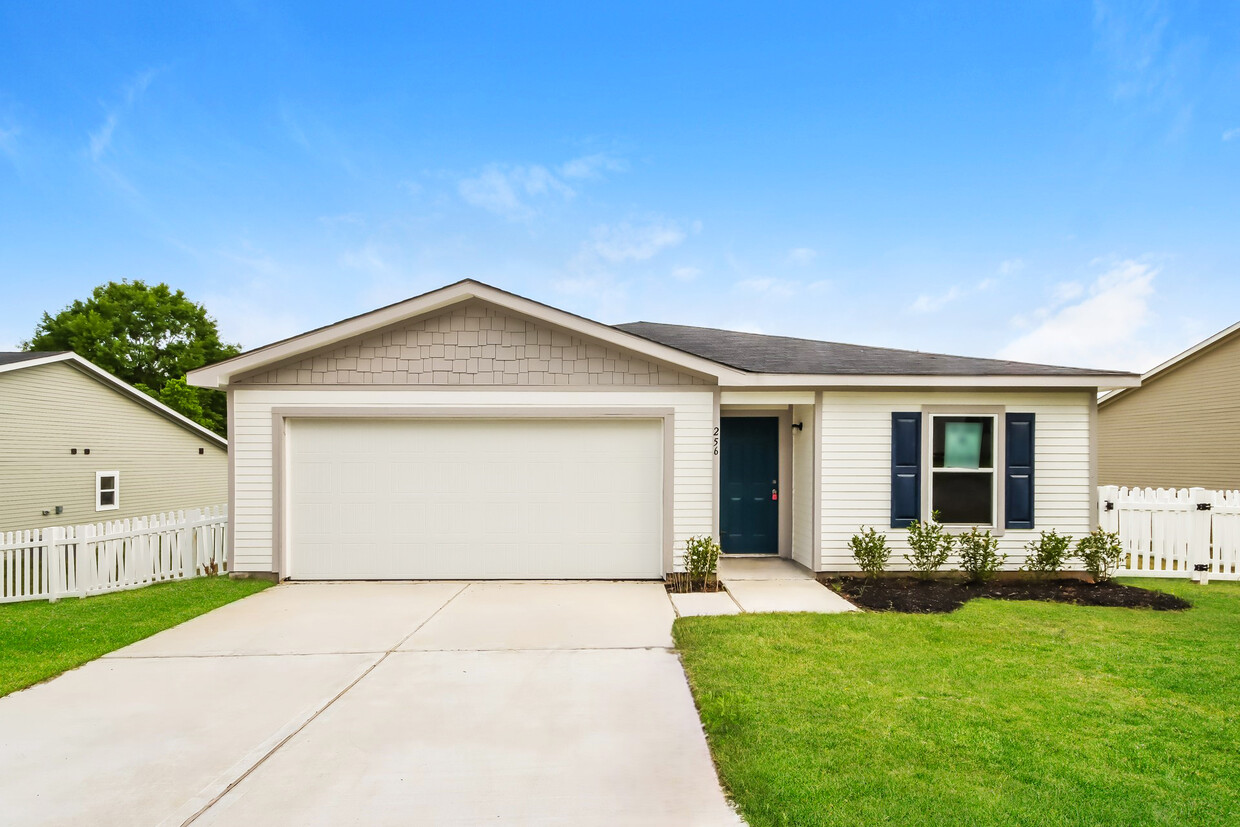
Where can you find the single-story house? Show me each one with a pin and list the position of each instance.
(1181, 427)
(78, 445)
(473, 433)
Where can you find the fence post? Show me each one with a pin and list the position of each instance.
(1108, 519)
(55, 561)
(1199, 535)
(189, 562)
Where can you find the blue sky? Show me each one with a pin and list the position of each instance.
(1048, 181)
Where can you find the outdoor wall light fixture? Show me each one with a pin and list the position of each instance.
(797, 426)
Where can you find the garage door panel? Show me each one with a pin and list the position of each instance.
(419, 499)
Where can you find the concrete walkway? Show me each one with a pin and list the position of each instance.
(762, 584)
(375, 703)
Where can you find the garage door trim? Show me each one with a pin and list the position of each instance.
(279, 455)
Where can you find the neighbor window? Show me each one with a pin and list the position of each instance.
(107, 490)
(962, 469)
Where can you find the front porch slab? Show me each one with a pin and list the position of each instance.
(761, 568)
(701, 604)
(786, 596)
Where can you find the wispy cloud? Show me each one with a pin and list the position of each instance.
(623, 242)
(686, 273)
(928, 303)
(769, 287)
(933, 302)
(801, 255)
(368, 258)
(100, 139)
(1066, 291)
(514, 191)
(1132, 39)
(593, 166)
(8, 141)
(1106, 325)
(1231, 134)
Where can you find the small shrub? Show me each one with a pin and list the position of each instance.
(930, 546)
(869, 549)
(1047, 554)
(979, 554)
(701, 561)
(1100, 551)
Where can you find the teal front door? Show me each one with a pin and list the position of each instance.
(749, 484)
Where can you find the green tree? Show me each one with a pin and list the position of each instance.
(147, 335)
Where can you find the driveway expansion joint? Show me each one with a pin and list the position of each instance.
(267, 755)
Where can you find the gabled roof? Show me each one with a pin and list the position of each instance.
(18, 356)
(219, 374)
(1220, 338)
(12, 361)
(783, 354)
(732, 359)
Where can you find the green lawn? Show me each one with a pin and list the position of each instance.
(40, 640)
(999, 713)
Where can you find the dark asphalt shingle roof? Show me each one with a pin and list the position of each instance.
(8, 357)
(758, 353)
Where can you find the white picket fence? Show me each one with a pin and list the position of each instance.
(83, 560)
(1171, 532)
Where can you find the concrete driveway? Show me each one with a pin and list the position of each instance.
(375, 703)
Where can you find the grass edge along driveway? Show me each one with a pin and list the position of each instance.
(999, 713)
(40, 640)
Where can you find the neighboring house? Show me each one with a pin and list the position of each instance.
(473, 433)
(78, 445)
(1181, 427)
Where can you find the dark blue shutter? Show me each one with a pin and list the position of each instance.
(1018, 480)
(905, 469)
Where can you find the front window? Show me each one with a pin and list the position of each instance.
(107, 490)
(962, 469)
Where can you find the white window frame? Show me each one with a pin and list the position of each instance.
(998, 415)
(116, 490)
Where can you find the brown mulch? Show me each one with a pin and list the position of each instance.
(911, 595)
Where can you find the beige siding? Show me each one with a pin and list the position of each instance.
(252, 446)
(1180, 430)
(47, 410)
(803, 485)
(856, 465)
(472, 344)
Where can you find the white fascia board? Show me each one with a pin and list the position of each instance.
(32, 363)
(1175, 361)
(218, 375)
(1091, 381)
(96, 372)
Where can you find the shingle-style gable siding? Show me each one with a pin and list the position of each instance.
(472, 344)
(47, 410)
(1180, 429)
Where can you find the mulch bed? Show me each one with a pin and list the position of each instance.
(911, 595)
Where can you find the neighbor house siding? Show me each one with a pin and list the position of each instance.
(856, 466)
(253, 407)
(1179, 430)
(472, 344)
(47, 410)
(803, 485)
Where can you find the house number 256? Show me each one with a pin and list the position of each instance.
(716, 440)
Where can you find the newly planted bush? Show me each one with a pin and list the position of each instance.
(929, 545)
(701, 561)
(1047, 554)
(1100, 551)
(979, 554)
(870, 550)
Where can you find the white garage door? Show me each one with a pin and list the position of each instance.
(425, 499)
